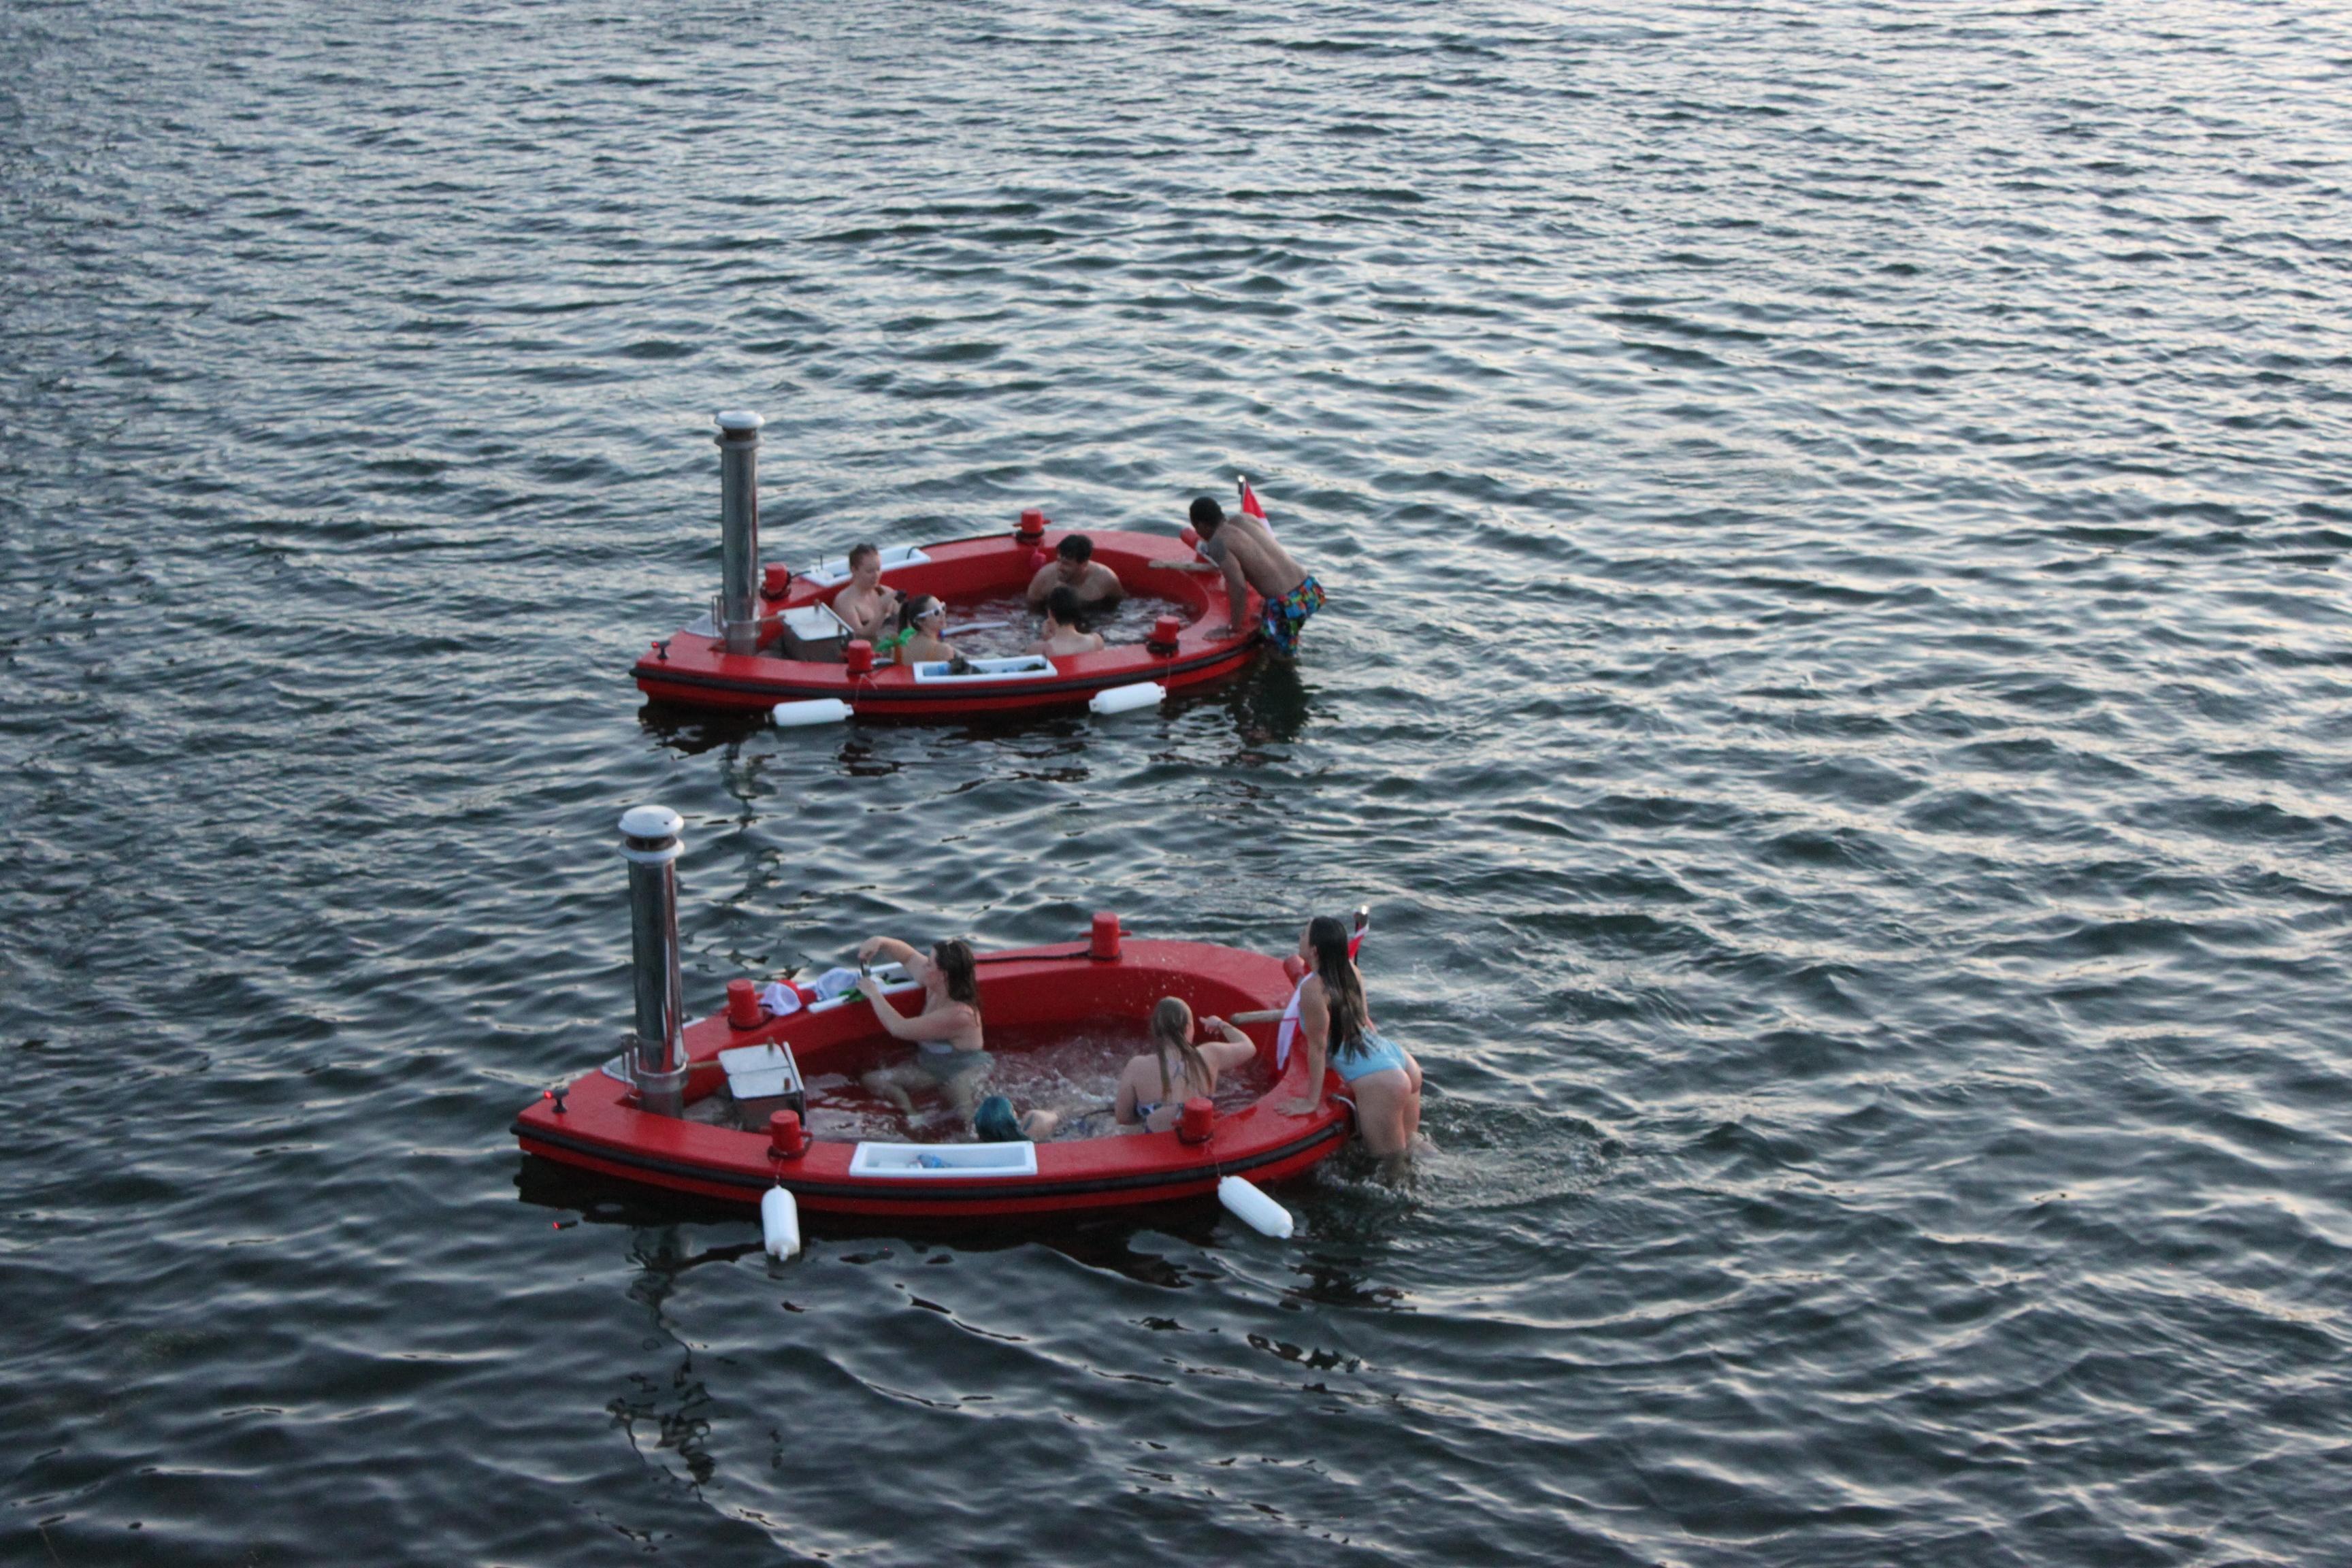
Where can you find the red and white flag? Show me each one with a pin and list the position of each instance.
(1250, 507)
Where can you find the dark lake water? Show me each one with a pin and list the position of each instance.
(1835, 685)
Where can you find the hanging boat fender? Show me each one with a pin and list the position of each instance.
(815, 710)
(1251, 1207)
(1126, 698)
(780, 1222)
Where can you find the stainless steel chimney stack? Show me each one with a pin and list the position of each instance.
(738, 528)
(650, 842)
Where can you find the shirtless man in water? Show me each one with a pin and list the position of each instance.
(1073, 567)
(1243, 547)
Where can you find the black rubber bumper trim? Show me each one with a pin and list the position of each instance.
(927, 1192)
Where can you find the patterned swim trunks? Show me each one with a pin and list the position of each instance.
(1285, 616)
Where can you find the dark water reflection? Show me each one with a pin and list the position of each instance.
(1835, 685)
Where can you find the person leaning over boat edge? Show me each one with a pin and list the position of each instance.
(1381, 1076)
(950, 1053)
(1073, 567)
(1247, 553)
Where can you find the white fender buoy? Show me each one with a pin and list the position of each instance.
(780, 1222)
(1253, 1207)
(815, 710)
(1126, 698)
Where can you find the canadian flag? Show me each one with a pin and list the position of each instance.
(1250, 507)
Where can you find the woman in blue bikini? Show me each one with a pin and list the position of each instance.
(1381, 1076)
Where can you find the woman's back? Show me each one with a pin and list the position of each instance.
(1153, 1086)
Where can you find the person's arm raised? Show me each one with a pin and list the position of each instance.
(1314, 1022)
(899, 951)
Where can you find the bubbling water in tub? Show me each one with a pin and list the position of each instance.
(1129, 623)
(1071, 1069)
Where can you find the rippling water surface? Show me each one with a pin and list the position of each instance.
(1835, 685)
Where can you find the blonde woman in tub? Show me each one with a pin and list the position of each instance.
(1153, 1089)
(949, 1055)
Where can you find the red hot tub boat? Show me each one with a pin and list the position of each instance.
(770, 637)
(677, 1117)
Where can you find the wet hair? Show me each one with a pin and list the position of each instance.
(995, 1122)
(1063, 604)
(1327, 937)
(1171, 1029)
(954, 959)
(1076, 547)
(1207, 514)
(861, 550)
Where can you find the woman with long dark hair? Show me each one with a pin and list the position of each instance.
(1153, 1089)
(950, 1053)
(1380, 1076)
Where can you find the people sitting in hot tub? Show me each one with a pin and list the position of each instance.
(865, 606)
(1380, 1076)
(948, 1052)
(1153, 1089)
(1073, 567)
(1066, 628)
(917, 638)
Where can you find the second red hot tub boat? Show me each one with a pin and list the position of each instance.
(770, 638)
(648, 1118)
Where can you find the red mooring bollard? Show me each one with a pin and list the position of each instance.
(743, 1009)
(786, 1138)
(1199, 1120)
(1105, 936)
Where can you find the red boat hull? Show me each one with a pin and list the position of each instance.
(695, 670)
(601, 1129)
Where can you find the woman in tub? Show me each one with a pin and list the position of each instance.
(949, 1046)
(1153, 1089)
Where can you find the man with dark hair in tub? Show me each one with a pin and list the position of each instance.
(1244, 548)
(1073, 567)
